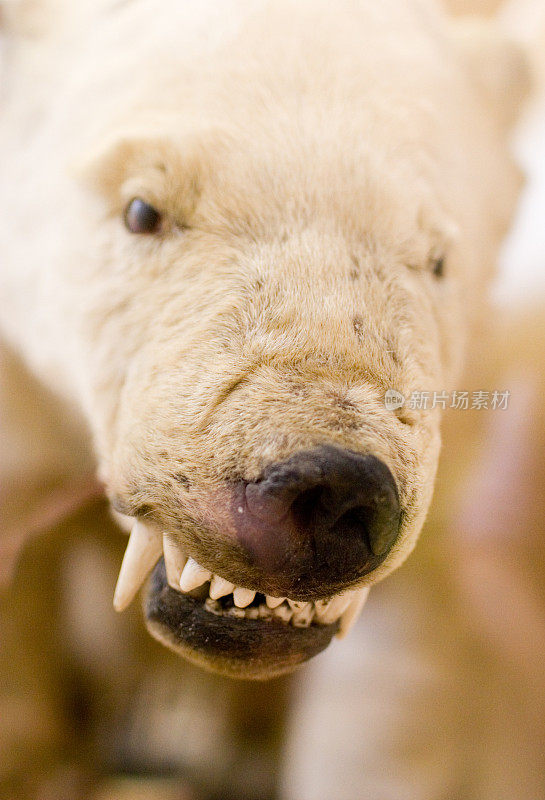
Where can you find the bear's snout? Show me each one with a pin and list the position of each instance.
(280, 562)
(319, 520)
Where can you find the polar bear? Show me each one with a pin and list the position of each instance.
(228, 231)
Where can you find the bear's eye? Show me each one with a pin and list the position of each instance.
(140, 217)
(438, 266)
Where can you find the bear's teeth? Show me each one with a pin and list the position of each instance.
(146, 546)
(213, 606)
(296, 605)
(328, 611)
(143, 551)
(193, 576)
(219, 587)
(274, 602)
(302, 617)
(123, 520)
(351, 614)
(174, 561)
(243, 597)
(239, 613)
(283, 612)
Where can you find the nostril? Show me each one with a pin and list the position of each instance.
(365, 523)
(305, 509)
(354, 520)
(324, 517)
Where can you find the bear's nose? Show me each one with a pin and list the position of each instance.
(320, 520)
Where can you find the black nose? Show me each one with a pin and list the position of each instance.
(321, 519)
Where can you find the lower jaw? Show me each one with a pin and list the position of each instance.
(257, 649)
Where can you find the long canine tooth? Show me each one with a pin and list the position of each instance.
(274, 602)
(143, 551)
(243, 597)
(220, 587)
(193, 576)
(330, 611)
(174, 561)
(352, 613)
(124, 521)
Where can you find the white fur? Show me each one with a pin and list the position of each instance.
(291, 141)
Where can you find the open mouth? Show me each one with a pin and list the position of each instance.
(226, 628)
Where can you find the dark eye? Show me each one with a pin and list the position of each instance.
(438, 266)
(140, 217)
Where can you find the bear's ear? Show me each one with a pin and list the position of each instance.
(499, 65)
